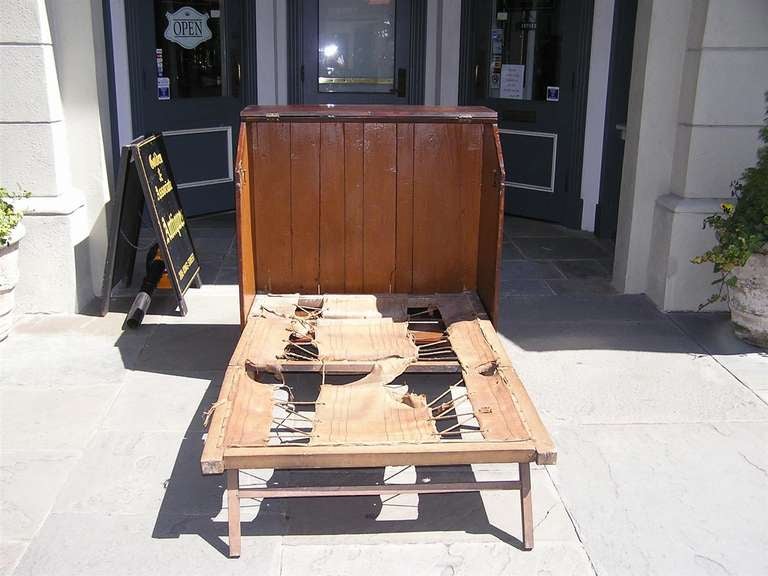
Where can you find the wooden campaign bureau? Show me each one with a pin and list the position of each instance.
(369, 241)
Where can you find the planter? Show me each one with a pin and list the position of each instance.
(9, 276)
(749, 300)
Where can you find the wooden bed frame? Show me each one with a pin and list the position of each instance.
(369, 243)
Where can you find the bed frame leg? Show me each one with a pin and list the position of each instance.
(526, 505)
(233, 512)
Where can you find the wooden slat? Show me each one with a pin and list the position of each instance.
(351, 367)
(546, 452)
(212, 460)
(271, 160)
(379, 207)
(404, 231)
(305, 207)
(437, 238)
(233, 512)
(246, 256)
(332, 208)
(470, 154)
(370, 456)
(526, 505)
(353, 208)
(424, 488)
(491, 221)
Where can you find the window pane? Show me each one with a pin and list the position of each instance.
(190, 49)
(525, 49)
(356, 45)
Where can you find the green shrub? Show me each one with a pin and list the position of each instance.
(742, 227)
(9, 216)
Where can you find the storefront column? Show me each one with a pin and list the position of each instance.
(51, 142)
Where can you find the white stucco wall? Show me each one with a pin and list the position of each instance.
(696, 104)
(52, 144)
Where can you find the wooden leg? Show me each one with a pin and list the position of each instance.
(526, 505)
(233, 509)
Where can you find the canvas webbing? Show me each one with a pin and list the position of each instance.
(263, 342)
(366, 411)
(363, 339)
(493, 403)
(251, 415)
(393, 306)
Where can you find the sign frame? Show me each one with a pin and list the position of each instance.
(128, 213)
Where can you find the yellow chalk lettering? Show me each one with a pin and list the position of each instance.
(155, 159)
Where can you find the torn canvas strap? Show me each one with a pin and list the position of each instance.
(363, 339)
(368, 412)
(251, 415)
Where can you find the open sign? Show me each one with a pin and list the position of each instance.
(187, 27)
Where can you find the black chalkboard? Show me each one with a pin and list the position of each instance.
(145, 178)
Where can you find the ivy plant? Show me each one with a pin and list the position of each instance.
(742, 226)
(9, 216)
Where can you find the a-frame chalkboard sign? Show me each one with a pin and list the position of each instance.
(145, 178)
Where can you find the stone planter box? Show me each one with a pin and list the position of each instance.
(9, 277)
(749, 300)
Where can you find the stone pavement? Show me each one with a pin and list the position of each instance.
(661, 423)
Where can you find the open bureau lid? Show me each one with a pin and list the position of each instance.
(372, 113)
(369, 199)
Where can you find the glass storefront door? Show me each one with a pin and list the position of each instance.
(187, 68)
(525, 58)
(355, 51)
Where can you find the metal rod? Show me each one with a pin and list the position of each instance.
(282, 424)
(458, 425)
(442, 417)
(448, 391)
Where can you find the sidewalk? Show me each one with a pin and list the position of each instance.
(661, 424)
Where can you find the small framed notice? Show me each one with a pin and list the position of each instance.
(511, 82)
(163, 88)
(553, 93)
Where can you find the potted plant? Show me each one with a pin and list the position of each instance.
(741, 254)
(11, 231)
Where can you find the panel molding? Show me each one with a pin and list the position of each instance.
(197, 183)
(553, 171)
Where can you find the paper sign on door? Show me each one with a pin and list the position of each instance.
(512, 76)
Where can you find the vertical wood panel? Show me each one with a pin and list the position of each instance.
(305, 206)
(437, 237)
(404, 240)
(332, 208)
(379, 206)
(246, 255)
(470, 154)
(271, 155)
(491, 222)
(353, 207)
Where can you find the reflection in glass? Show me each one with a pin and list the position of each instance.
(525, 49)
(356, 45)
(199, 71)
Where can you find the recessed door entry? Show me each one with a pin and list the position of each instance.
(186, 83)
(358, 51)
(526, 60)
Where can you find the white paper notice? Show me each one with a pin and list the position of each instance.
(512, 76)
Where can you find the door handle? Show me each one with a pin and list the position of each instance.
(402, 81)
(622, 128)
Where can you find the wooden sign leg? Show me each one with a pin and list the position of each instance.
(526, 505)
(233, 512)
